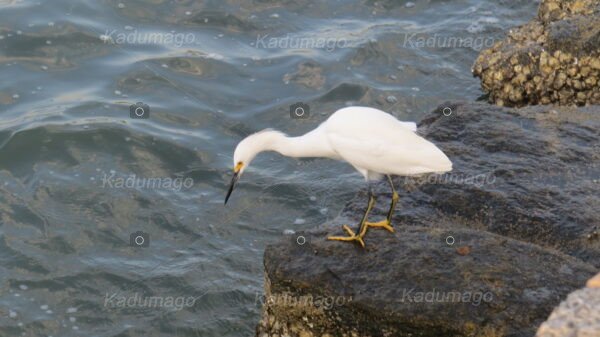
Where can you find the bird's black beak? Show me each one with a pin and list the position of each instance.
(234, 179)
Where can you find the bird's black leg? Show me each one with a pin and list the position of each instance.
(387, 223)
(362, 226)
(395, 198)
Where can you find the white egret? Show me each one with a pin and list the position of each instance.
(374, 142)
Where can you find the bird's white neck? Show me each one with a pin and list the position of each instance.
(312, 144)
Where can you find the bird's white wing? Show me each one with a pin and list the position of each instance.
(398, 157)
(379, 143)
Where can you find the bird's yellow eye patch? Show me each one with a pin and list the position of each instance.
(238, 167)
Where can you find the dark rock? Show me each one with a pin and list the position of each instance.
(521, 205)
(552, 59)
(580, 35)
(531, 174)
(412, 282)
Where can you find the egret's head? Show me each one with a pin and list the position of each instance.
(246, 150)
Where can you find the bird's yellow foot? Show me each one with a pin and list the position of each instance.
(351, 236)
(382, 224)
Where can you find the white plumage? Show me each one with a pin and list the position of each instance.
(374, 142)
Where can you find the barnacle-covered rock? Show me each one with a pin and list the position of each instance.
(553, 59)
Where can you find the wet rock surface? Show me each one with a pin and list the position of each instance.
(531, 174)
(553, 59)
(413, 283)
(519, 208)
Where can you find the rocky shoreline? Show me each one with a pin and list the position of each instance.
(414, 284)
(491, 248)
(524, 237)
(555, 58)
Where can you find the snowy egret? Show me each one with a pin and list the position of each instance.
(374, 142)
